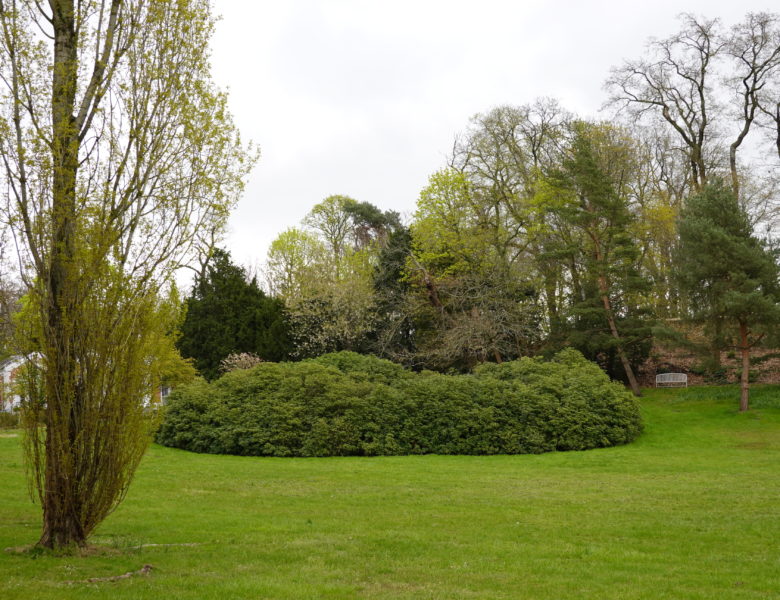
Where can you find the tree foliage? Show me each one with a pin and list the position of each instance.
(10, 297)
(393, 336)
(324, 274)
(473, 299)
(589, 201)
(547, 231)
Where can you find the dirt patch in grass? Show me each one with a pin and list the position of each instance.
(753, 445)
(81, 551)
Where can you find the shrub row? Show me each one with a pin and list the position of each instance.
(346, 404)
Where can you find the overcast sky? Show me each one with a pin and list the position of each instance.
(364, 98)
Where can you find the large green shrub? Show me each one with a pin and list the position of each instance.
(579, 407)
(347, 404)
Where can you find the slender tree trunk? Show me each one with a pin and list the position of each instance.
(735, 146)
(744, 397)
(698, 169)
(733, 169)
(61, 511)
(776, 117)
(716, 345)
(550, 287)
(632, 382)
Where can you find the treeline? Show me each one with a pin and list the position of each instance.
(546, 230)
(541, 233)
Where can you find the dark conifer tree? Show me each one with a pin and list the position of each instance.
(728, 274)
(393, 336)
(226, 314)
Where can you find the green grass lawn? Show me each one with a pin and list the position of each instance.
(691, 510)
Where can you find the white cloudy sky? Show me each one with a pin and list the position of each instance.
(364, 98)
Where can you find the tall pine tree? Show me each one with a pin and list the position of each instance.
(587, 201)
(226, 314)
(729, 275)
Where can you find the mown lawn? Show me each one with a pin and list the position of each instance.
(691, 510)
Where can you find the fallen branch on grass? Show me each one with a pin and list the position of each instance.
(164, 545)
(145, 570)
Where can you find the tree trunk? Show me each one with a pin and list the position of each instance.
(698, 168)
(716, 345)
(632, 382)
(733, 169)
(716, 362)
(745, 380)
(776, 117)
(550, 287)
(61, 512)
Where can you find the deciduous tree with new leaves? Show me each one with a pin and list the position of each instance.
(116, 150)
(324, 274)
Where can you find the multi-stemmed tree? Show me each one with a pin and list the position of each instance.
(116, 149)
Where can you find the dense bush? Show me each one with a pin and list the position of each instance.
(365, 367)
(347, 404)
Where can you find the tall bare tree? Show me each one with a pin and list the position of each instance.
(116, 149)
(708, 84)
(754, 47)
(768, 96)
(675, 80)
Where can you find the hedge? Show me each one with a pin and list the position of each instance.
(346, 404)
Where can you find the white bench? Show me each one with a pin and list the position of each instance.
(671, 380)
